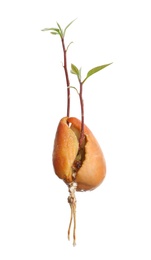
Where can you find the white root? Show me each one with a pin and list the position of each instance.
(72, 202)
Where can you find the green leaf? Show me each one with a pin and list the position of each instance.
(54, 33)
(60, 29)
(68, 45)
(74, 88)
(80, 74)
(68, 26)
(74, 70)
(45, 29)
(94, 70)
(50, 29)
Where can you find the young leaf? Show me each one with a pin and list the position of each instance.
(94, 70)
(60, 29)
(50, 29)
(68, 26)
(45, 29)
(74, 88)
(68, 45)
(54, 31)
(80, 74)
(74, 70)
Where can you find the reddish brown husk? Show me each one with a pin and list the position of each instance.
(91, 168)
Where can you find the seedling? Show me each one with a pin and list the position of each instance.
(77, 157)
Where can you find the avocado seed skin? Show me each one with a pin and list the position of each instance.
(66, 146)
(65, 150)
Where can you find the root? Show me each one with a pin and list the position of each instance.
(72, 202)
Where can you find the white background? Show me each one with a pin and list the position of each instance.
(113, 221)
